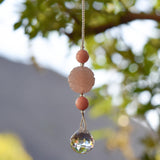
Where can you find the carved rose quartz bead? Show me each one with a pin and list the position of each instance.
(81, 79)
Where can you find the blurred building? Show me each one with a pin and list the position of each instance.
(39, 107)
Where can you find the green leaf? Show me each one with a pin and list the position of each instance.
(101, 108)
(144, 108)
(102, 133)
(146, 156)
(17, 25)
(1, 1)
(99, 134)
(149, 141)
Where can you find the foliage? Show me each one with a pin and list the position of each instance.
(137, 82)
(11, 148)
(1, 1)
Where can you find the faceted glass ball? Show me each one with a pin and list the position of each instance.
(82, 142)
(81, 79)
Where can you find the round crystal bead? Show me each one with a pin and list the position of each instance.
(82, 142)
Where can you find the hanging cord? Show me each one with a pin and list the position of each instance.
(83, 23)
(83, 126)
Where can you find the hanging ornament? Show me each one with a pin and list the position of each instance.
(81, 80)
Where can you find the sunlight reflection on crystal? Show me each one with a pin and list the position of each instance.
(82, 142)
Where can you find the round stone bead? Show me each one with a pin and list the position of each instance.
(81, 79)
(82, 56)
(82, 103)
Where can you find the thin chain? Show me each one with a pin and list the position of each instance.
(83, 23)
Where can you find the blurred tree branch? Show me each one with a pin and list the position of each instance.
(124, 18)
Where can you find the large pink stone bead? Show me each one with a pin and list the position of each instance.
(81, 79)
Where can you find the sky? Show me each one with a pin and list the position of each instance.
(54, 52)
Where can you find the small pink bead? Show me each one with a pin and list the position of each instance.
(82, 56)
(81, 79)
(82, 103)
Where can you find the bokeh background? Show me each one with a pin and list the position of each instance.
(38, 43)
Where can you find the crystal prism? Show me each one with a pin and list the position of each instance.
(82, 142)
